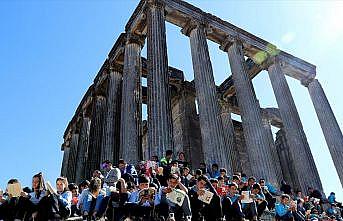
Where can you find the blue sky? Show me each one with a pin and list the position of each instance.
(50, 52)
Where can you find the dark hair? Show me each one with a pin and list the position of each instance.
(106, 161)
(95, 184)
(143, 179)
(72, 186)
(213, 180)
(64, 180)
(220, 178)
(222, 170)
(121, 161)
(283, 196)
(41, 183)
(256, 186)
(202, 177)
(13, 181)
(215, 165)
(169, 152)
(198, 172)
(235, 177)
(252, 178)
(232, 184)
(84, 184)
(173, 176)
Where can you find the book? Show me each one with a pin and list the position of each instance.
(176, 196)
(14, 189)
(206, 197)
(247, 198)
(50, 188)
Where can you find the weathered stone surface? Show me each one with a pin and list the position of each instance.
(211, 129)
(111, 132)
(229, 137)
(257, 144)
(289, 171)
(186, 128)
(131, 102)
(94, 149)
(332, 132)
(81, 158)
(64, 168)
(159, 112)
(72, 158)
(299, 148)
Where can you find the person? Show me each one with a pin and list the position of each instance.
(112, 175)
(28, 202)
(83, 192)
(167, 159)
(248, 186)
(232, 209)
(93, 205)
(181, 159)
(269, 197)
(283, 212)
(214, 171)
(75, 198)
(207, 210)
(314, 193)
(55, 205)
(186, 177)
(260, 199)
(285, 188)
(9, 204)
(332, 198)
(127, 170)
(117, 200)
(166, 206)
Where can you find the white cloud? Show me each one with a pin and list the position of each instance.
(288, 37)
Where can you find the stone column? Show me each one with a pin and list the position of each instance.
(332, 132)
(64, 168)
(130, 142)
(110, 137)
(72, 157)
(273, 151)
(82, 151)
(159, 112)
(256, 141)
(211, 132)
(299, 148)
(94, 149)
(229, 137)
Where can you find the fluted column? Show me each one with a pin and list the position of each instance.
(110, 136)
(256, 141)
(131, 100)
(159, 112)
(275, 158)
(94, 150)
(72, 157)
(64, 168)
(211, 132)
(299, 148)
(229, 136)
(81, 158)
(332, 132)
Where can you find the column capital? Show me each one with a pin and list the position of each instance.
(191, 25)
(229, 41)
(224, 105)
(307, 80)
(132, 38)
(155, 4)
(114, 67)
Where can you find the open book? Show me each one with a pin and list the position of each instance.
(176, 196)
(14, 189)
(206, 197)
(247, 198)
(50, 188)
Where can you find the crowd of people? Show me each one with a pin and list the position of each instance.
(164, 189)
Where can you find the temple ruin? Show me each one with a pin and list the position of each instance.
(107, 124)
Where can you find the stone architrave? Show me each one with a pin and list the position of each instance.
(81, 158)
(131, 100)
(257, 145)
(332, 132)
(229, 136)
(159, 103)
(213, 143)
(110, 147)
(66, 153)
(72, 157)
(299, 148)
(96, 129)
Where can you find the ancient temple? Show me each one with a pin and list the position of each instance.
(195, 117)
